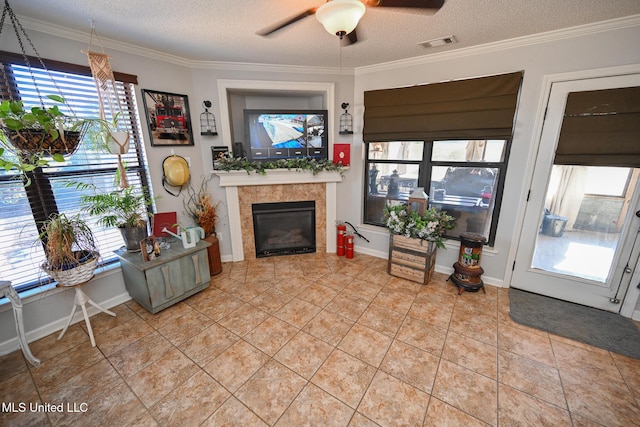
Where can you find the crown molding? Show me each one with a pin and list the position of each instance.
(550, 36)
(81, 36)
(565, 33)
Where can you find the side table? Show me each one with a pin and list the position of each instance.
(6, 290)
(81, 299)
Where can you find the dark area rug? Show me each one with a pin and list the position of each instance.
(588, 325)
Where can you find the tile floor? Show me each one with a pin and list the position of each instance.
(319, 340)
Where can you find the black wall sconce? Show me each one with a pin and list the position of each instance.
(346, 121)
(207, 121)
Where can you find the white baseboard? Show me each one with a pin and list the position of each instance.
(41, 332)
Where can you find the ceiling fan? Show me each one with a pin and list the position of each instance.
(340, 17)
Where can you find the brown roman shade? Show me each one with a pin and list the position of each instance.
(601, 127)
(474, 108)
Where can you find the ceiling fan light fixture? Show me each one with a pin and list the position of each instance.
(340, 17)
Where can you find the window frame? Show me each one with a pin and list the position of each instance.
(426, 166)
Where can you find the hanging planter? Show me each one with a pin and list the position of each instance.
(31, 136)
(117, 142)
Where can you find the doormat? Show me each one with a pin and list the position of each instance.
(588, 325)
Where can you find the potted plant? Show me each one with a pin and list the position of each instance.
(126, 209)
(30, 137)
(70, 249)
(200, 207)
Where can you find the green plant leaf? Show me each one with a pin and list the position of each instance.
(58, 157)
(13, 124)
(56, 98)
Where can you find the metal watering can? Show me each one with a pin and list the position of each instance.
(189, 236)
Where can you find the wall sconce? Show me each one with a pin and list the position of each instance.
(346, 121)
(207, 121)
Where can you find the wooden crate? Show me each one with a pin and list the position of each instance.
(411, 259)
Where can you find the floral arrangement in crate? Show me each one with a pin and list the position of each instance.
(431, 226)
(200, 207)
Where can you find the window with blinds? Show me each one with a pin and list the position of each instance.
(55, 188)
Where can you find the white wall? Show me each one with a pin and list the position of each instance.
(537, 56)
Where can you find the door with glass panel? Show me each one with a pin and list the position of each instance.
(579, 240)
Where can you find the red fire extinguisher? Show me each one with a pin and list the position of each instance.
(342, 230)
(349, 245)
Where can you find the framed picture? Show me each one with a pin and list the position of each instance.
(217, 152)
(168, 117)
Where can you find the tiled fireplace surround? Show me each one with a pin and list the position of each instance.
(281, 185)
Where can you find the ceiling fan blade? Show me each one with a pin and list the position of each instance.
(272, 29)
(417, 4)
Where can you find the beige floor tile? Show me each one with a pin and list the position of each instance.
(55, 371)
(185, 327)
(391, 402)
(270, 391)
(140, 354)
(315, 407)
(366, 344)
(271, 335)
(122, 335)
(336, 281)
(381, 319)
(328, 327)
(244, 319)
(441, 414)
(157, 380)
(422, 335)
(472, 354)
(467, 390)
(234, 413)
(191, 402)
(317, 294)
(297, 312)
(527, 344)
(531, 377)
(359, 420)
(347, 305)
(304, 354)
(363, 289)
(208, 344)
(410, 364)
(395, 299)
(12, 364)
(236, 365)
(271, 300)
(218, 305)
(518, 408)
(344, 377)
(475, 324)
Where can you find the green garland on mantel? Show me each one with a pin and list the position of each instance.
(228, 163)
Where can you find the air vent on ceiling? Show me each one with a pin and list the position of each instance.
(438, 42)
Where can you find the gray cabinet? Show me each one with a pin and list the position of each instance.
(177, 274)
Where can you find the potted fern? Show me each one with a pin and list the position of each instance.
(125, 209)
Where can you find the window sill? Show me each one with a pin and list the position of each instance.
(44, 291)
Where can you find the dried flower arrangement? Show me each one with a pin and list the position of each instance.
(199, 205)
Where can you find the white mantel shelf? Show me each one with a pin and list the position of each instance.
(274, 177)
(231, 180)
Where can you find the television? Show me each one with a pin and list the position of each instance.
(285, 134)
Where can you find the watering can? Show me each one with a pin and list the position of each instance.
(189, 236)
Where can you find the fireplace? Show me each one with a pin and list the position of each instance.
(284, 228)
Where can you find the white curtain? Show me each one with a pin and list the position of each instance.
(566, 191)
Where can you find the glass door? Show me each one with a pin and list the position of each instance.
(579, 240)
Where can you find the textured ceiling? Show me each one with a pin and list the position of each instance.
(225, 30)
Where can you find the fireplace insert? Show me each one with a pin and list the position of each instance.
(284, 228)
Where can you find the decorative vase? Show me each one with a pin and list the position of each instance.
(215, 263)
(411, 258)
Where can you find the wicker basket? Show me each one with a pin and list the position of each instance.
(76, 275)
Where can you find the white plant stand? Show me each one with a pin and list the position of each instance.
(81, 299)
(6, 290)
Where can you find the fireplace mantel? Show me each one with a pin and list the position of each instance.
(231, 180)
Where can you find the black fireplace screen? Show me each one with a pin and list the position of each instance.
(284, 228)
